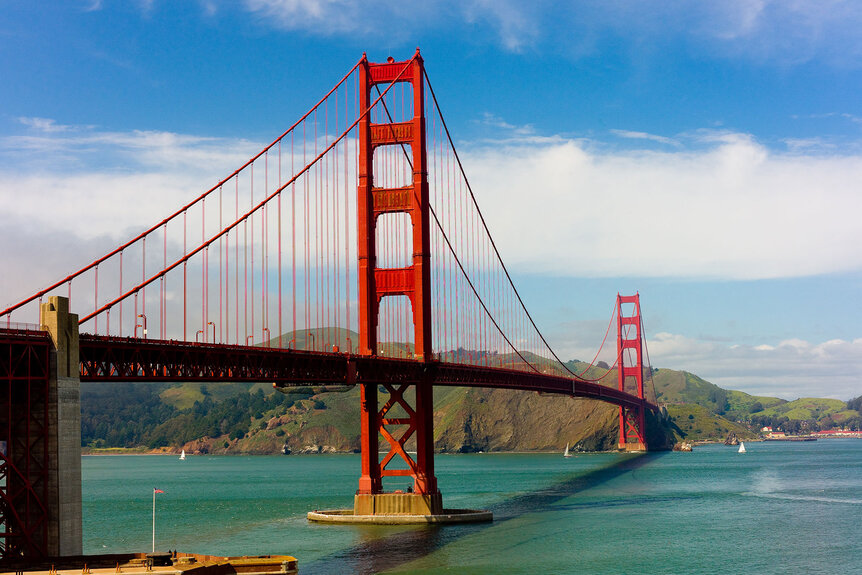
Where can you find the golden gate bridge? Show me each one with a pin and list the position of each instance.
(358, 219)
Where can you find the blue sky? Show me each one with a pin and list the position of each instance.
(705, 154)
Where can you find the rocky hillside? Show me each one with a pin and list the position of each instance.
(256, 421)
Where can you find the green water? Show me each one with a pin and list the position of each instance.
(781, 508)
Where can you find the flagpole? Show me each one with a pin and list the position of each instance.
(154, 516)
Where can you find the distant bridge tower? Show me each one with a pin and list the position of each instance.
(375, 283)
(631, 373)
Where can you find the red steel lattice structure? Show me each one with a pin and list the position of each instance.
(413, 281)
(24, 437)
(630, 340)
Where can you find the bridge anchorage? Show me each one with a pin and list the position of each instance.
(201, 311)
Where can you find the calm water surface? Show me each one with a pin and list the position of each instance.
(781, 508)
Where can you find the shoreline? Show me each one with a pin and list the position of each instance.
(165, 452)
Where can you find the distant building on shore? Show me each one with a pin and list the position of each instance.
(837, 433)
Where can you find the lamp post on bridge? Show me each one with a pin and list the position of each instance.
(143, 324)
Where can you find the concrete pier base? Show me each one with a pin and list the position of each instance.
(636, 446)
(398, 504)
(399, 509)
(447, 516)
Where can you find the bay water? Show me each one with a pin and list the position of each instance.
(780, 508)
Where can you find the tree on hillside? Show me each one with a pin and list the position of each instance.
(792, 426)
(718, 396)
(855, 404)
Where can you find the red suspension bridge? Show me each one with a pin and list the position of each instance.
(357, 219)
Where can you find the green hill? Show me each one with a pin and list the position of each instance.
(693, 422)
(682, 387)
(810, 408)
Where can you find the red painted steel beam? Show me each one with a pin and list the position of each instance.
(127, 359)
(106, 358)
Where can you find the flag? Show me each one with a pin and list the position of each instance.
(157, 490)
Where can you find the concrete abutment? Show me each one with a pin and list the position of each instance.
(65, 533)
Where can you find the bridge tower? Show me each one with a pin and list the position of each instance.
(631, 372)
(375, 283)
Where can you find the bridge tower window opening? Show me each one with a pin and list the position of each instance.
(395, 337)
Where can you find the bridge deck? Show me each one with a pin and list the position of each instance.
(129, 359)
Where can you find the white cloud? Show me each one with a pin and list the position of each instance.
(789, 369)
(329, 17)
(517, 25)
(645, 136)
(514, 24)
(792, 369)
(46, 125)
(790, 32)
(721, 207)
(785, 32)
(71, 193)
(724, 207)
(51, 148)
(775, 31)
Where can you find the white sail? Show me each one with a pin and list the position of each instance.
(566, 452)
(183, 455)
(741, 447)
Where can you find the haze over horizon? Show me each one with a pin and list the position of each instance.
(705, 155)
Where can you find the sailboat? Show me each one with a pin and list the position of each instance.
(183, 455)
(566, 452)
(741, 447)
